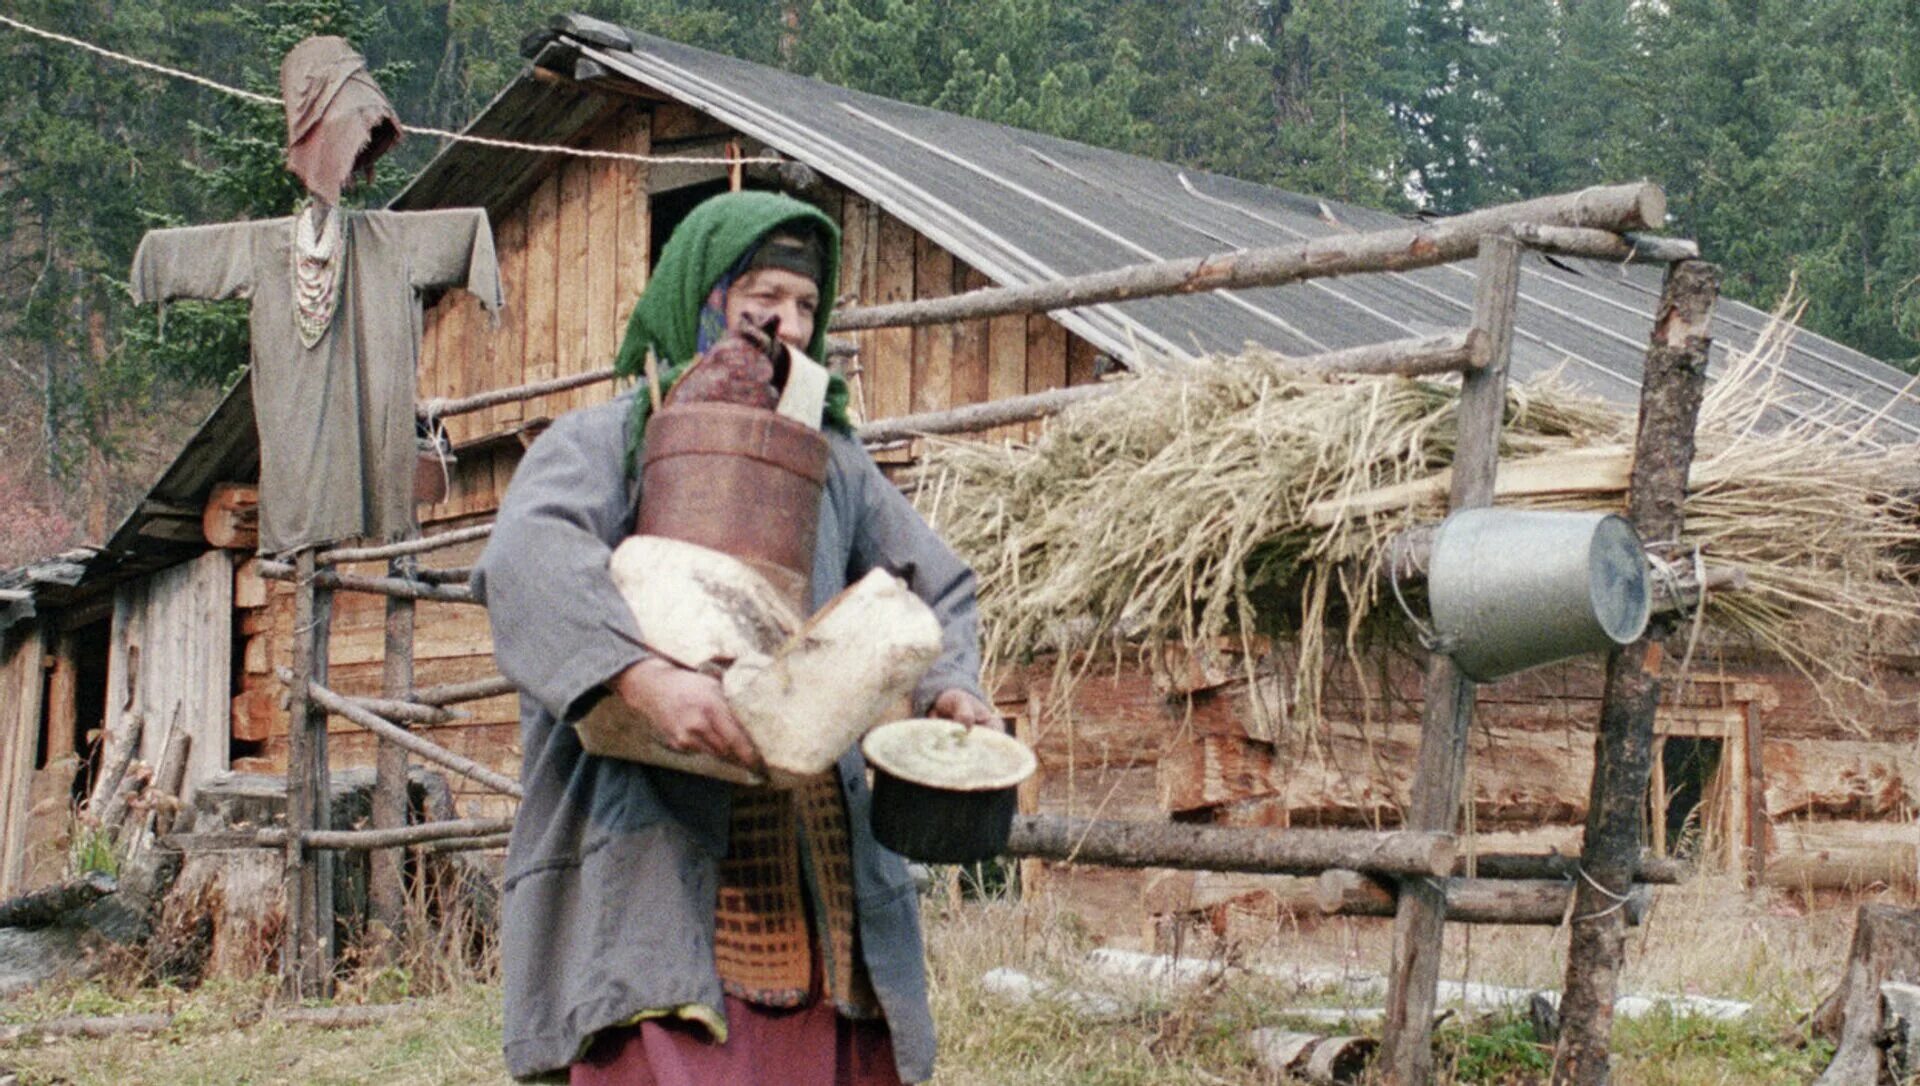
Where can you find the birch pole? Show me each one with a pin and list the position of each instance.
(1670, 394)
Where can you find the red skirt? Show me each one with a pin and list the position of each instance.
(766, 1046)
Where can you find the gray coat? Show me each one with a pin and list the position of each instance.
(612, 869)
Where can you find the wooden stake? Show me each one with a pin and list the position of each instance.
(386, 896)
(1439, 774)
(306, 958)
(1670, 393)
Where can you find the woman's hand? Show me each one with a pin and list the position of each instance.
(961, 707)
(687, 711)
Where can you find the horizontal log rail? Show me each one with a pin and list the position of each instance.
(397, 587)
(405, 547)
(410, 712)
(1630, 247)
(340, 705)
(1224, 848)
(1468, 901)
(417, 834)
(1613, 208)
(1425, 356)
(1654, 870)
(441, 408)
(465, 844)
(470, 690)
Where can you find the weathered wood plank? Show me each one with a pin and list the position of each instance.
(932, 344)
(542, 291)
(889, 370)
(969, 374)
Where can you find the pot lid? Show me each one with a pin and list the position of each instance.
(947, 755)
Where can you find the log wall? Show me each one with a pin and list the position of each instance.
(1175, 741)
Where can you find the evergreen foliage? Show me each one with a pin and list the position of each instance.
(1786, 132)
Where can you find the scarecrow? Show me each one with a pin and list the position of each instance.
(335, 317)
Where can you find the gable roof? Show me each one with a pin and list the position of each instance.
(1022, 207)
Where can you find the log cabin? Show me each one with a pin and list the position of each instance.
(171, 622)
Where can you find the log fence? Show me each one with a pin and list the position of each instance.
(1413, 873)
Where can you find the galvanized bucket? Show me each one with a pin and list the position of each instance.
(1513, 589)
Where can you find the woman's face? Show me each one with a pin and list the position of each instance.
(765, 293)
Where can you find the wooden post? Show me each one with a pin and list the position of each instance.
(306, 957)
(386, 897)
(1439, 774)
(1670, 394)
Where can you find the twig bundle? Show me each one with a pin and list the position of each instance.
(1175, 512)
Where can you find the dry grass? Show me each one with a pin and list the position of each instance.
(1707, 938)
(1175, 511)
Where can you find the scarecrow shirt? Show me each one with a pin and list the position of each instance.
(335, 340)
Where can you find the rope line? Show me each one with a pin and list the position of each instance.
(441, 133)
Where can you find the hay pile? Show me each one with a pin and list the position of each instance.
(1176, 510)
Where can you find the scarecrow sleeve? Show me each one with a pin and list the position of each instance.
(205, 262)
(891, 535)
(560, 628)
(451, 248)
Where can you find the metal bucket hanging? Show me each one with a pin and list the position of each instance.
(1514, 589)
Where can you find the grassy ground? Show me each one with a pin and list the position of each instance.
(1707, 939)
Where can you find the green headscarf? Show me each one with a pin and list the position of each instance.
(704, 247)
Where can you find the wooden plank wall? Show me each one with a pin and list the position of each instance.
(22, 685)
(170, 661)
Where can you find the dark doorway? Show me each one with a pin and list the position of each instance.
(1690, 766)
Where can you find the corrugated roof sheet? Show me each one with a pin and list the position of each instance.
(1024, 207)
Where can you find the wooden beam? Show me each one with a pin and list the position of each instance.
(1469, 901)
(1616, 207)
(1450, 352)
(1224, 848)
(1447, 715)
(1671, 389)
(382, 586)
(1630, 248)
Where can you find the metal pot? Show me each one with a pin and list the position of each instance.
(944, 792)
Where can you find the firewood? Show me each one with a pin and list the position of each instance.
(1311, 1056)
(836, 677)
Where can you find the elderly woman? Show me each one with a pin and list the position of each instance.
(661, 927)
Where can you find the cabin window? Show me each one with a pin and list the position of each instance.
(666, 209)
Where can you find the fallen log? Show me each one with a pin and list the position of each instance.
(38, 908)
(1469, 901)
(1312, 1057)
(1222, 848)
(85, 1026)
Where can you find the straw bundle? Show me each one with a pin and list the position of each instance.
(1176, 510)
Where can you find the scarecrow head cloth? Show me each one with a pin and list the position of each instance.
(338, 122)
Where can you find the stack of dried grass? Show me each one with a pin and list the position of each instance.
(1236, 498)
